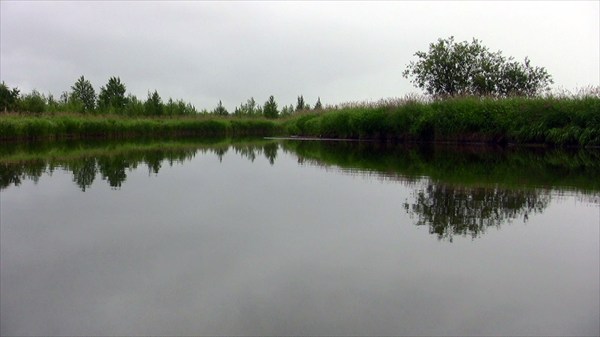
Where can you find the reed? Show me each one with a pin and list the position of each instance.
(70, 126)
(566, 120)
(543, 120)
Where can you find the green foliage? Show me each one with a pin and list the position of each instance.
(220, 110)
(9, 98)
(112, 97)
(270, 108)
(83, 91)
(153, 105)
(14, 127)
(300, 105)
(250, 108)
(452, 68)
(33, 102)
(179, 108)
(287, 110)
(564, 121)
(134, 107)
(318, 105)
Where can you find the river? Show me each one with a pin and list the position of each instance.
(291, 237)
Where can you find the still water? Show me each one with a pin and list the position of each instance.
(296, 237)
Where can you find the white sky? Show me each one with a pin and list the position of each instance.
(204, 52)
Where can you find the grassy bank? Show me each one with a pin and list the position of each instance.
(553, 121)
(563, 121)
(73, 126)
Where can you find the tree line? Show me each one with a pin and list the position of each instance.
(447, 69)
(113, 99)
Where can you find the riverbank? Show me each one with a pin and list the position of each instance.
(21, 127)
(552, 121)
(564, 121)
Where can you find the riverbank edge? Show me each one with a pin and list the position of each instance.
(548, 121)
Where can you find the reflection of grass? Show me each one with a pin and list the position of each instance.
(465, 166)
(473, 166)
(73, 150)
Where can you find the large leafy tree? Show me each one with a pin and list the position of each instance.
(452, 68)
(270, 108)
(112, 96)
(84, 92)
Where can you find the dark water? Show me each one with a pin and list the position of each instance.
(303, 238)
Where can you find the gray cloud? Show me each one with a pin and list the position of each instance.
(341, 51)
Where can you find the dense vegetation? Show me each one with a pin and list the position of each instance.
(113, 100)
(570, 121)
(473, 95)
(69, 126)
(543, 120)
(452, 68)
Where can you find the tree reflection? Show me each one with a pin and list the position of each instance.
(453, 210)
(113, 169)
(84, 172)
(270, 151)
(15, 173)
(10, 175)
(113, 162)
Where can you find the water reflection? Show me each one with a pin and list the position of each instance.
(456, 190)
(453, 210)
(112, 161)
(465, 190)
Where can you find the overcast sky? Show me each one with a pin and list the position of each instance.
(204, 52)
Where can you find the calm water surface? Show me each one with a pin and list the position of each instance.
(302, 238)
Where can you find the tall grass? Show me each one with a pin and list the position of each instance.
(70, 126)
(573, 120)
(562, 120)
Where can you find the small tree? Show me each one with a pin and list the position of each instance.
(450, 68)
(83, 91)
(300, 103)
(153, 105)
(220, 110)
(270, 108)
(112, 96)
(318, 105)
(9, 98)
(250, 108)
